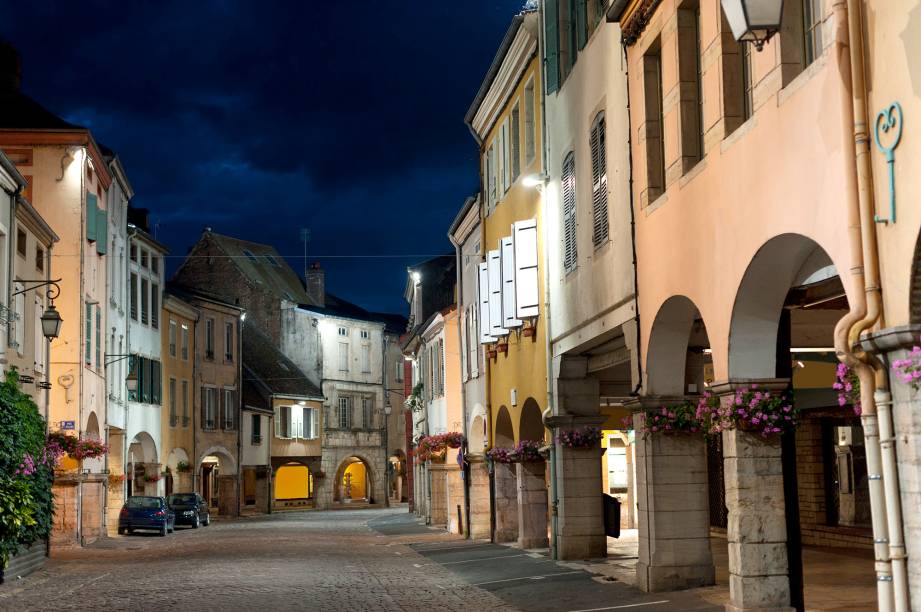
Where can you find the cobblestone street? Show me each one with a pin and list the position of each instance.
(339, 560)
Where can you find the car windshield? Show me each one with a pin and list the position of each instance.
(149, 503)
(182, 499)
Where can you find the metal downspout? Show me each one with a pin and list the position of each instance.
(465, 469)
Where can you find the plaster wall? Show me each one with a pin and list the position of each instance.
(181, 434)
(255, 453)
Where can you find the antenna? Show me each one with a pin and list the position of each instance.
(305, 238)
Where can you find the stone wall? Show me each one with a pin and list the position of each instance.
(532, 505)
(438, 480)
(79, 510)
(457, 522)
(506, 502)
(480, 515)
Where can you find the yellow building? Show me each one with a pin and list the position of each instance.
(506, 116)
(178, 358)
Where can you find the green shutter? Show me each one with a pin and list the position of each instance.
(91, 217)
(552, 44)
(102, 231)
(581, 24)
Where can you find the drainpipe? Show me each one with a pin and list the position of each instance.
(14, 196)
(80, 365)
(459, 281)
(865, 312)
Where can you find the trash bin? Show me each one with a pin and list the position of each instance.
(611, 515)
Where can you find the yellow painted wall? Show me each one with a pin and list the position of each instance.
(295, 448)
(524, 367)
(359, 475)
(291, 482)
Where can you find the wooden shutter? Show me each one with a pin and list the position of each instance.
(527, 286)
(92, 218)
(552, 44)
(495, 294)
(506, 154)
(441, 366)
(465, 341)
(507, 258)
(581, 23)
(474, 346)
(599, 182)
(102, 230)
(483, 299)
(570, 253)
(204, 409)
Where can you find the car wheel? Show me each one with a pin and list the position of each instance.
(207, 519)
(196, 522)
(163, 530)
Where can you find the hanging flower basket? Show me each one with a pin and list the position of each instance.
(585, 437)
(78, 448)
(908, 370)
(681, 418)
(414, 402)
(751, 409)
(499, 454)
(183, 466)
(434, 448)
(528, 451)
(116, 479)
(847, 384)
(152, 478)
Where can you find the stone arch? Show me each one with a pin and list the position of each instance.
(176, 456)
(223, 456)
(345, 467)
(531, 424)
(669, 340)
(476, 430)
(143, 448)
(783, 262)
(92, 426)
(505, 432)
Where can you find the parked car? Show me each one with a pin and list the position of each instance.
(146, 512)
(191, 509)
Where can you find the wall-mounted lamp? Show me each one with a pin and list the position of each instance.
(753, 21)
(535, 180)
(416, 277)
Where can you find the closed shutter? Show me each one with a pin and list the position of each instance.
(205, 424)
(527, 294)
(102, 230)
(581, 23)
(485, 329)
(506, 162)
(441, 366)
(92, 218)
(495, 294)
(474, 345)
(465, 329)
(552, 44)
(570, 253)
(507, 258)
(599, 183)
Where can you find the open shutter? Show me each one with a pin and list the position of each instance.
(599, 183)
(507, 257)
(483, 299)
(495, 294)
(92, 217)
(570, 254)
(581, 23)
(102, 231)
(527, 294)
(552, 44)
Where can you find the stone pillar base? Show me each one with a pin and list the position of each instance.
(580, 524)
(506, 483)
(532, 505)
(438, 512)
(479, 499)
(673, 511)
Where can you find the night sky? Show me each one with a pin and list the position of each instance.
(257, 119)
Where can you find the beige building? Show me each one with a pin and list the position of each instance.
(177, 448)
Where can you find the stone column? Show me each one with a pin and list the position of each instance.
(506, 498)
(479, 498)
(580, 523)
(757, 532)
(454, 489)
(673, 511)
(438, 513)
(227, 495)
(532, 505)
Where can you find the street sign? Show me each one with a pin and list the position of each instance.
(67, 425)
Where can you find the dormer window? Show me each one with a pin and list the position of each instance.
(250, 256)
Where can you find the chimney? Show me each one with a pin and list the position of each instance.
(10, 68)
(316, 284)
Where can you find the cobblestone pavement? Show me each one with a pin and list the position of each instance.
(286, 561)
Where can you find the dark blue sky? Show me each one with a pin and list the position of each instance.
(258, 118)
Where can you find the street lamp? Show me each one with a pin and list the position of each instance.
(51, 322)
(131, 381)
(51, 318)
(753, 21)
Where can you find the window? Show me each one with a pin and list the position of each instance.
(366, 414)
(228, 341)
(257, 429)
(173, 416)
(172, 338)
(145, 301)
(365, 358)
(185, 342)
(399, 370)
(134, 253)
(144, 258)
(88, 338)
(515, 137)
(343, 331)
(154, 264)
(229, 421)
(655, 140)
(365, 335)
(345, 412)
(98, 337)
(598, 144)
(570, 254)
(690, 74)
(39, 258)
(21, 242)
(155, 305)
(529, 125)
(250, 256)
(133, 306)
(812, 29)
(185, 403)
(283, 422)
(310, 423)
(208, 408)
(209, 338)
(343, 357)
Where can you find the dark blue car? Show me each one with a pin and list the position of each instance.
(143, 512)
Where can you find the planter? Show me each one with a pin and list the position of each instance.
(27, 560)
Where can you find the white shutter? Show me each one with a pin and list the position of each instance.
(599, 183)
(465, 341)
(507, 257)
(527, 294)
(474, 346)
(279, 412)
(297, 422)
(495, 294)
(483, 299)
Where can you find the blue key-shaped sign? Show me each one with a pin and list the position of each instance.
(68, 425)
(888, 132)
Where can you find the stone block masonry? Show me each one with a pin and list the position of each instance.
(506, 500)
(532, 505)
